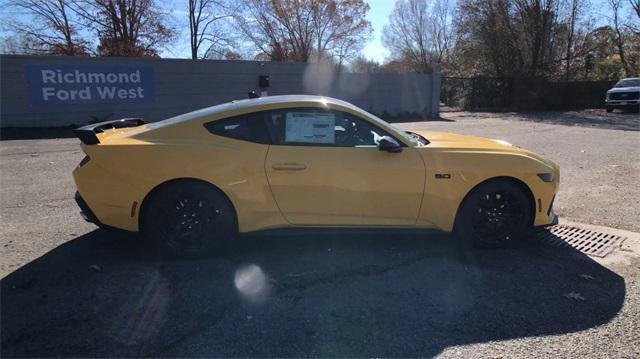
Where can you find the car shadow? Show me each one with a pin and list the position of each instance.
(338, 293)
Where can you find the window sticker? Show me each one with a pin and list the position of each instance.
(310, 127)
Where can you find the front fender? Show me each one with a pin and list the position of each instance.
(466, 169)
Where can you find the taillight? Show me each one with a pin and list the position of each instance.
(84, 161)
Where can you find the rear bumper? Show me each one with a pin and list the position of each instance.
(104, 198)
(85, 211)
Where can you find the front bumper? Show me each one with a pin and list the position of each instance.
(554, 221)
(552, 218)
(622, 103)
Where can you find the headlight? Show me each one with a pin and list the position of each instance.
(546, 177)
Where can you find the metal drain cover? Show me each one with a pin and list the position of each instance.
(590, 242)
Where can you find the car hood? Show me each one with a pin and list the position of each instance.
(624, 89)
(455, 142)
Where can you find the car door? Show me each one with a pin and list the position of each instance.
(324, 168)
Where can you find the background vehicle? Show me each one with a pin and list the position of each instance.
(192, 181)
(625, 94)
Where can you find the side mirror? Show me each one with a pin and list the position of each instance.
(389, 144)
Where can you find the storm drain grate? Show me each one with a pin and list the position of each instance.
(593, 243)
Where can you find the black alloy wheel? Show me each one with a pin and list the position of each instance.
(188, 218)
(495, 214)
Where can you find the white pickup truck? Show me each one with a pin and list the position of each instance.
(625, 94)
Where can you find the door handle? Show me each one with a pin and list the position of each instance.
(289, 166)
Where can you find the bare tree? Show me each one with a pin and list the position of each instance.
(294, 30)
(537, 19)
(543, 38)
(635, 25)
(571, 31)
(574, 32)
(19, 44)
(509, 37)
(363, 65)
(207, 26)
(635, 4)
(441, 30)
(419, 33)
(50, 28)
(340, 27)
(232, 55)
(126, 27)
(407, 34)
(619, 39)
(279, 29)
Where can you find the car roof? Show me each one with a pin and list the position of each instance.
(630, 78)
(251, 103)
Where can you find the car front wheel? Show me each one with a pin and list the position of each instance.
(494, 214)
(188, 218)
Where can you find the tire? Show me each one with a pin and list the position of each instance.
(188, 219)
(609, 109)
(495, 214)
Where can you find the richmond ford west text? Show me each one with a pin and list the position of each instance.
(77, 85)
(106, 92)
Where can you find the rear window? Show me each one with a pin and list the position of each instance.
(249, 127)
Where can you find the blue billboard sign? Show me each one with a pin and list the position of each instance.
(77, 85)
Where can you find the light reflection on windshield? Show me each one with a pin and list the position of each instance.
(415, 139)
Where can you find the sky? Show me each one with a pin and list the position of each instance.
(379, 16)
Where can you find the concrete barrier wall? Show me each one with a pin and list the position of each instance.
(38, 91)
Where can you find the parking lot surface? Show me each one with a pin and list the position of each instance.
(69, 289)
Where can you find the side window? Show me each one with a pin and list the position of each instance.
(305, 126)
(249, 127)
(352, 131)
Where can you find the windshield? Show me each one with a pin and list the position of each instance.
(628, 83)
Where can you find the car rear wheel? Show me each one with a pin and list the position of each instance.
(495, 214)
(188, 218)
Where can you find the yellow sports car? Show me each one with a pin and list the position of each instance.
(191, 182)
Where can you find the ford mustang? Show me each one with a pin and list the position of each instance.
(191, 182)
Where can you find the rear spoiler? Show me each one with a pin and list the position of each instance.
(87, 134)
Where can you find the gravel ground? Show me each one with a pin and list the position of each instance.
(68, 289)
(594, 118)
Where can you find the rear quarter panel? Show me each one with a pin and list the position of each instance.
(123, 171)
